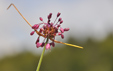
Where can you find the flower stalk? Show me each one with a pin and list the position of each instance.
(40, 61)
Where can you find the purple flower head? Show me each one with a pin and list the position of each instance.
(49, 30)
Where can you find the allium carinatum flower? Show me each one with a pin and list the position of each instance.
(50, 30)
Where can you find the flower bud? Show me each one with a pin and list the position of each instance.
(61, 21)
(59, 33)
(41, 18)
(58, 14)
(49, 16)
(44, 27)
(37, 40)
(33, 27)
(56, 30)
(36, 26)
(32, 33)
(66, 29)
(62, 36)
(58, 25)
(51, 24)
(42, 44)
(41, 29)
(53, 44)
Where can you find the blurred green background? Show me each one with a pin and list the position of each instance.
(96, 56)
(90, 23)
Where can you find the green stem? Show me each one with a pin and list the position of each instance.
(40, 61)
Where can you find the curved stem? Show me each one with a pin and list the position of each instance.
(40, 61)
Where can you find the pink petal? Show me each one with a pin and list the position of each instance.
(38, 45)
(62, 30)
(59, 33)
(47, 46)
